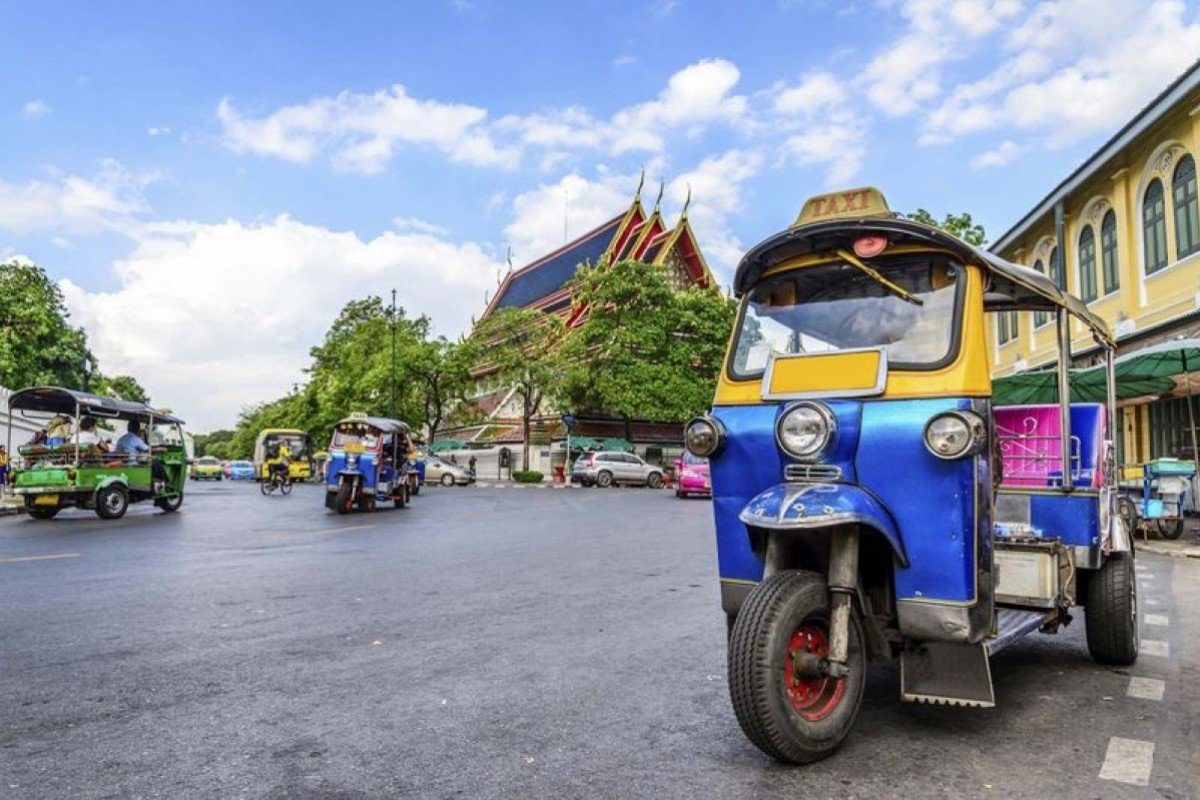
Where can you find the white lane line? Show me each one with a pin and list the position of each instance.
(1128, 761)
(1157, 619)
(1153, 647)
(23, 559)
(1146, 688)
(1151, 601)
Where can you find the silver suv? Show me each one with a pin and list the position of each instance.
(605, 469)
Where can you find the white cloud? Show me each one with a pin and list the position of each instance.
(908, 72)
(1076, 68)
(158, 130)
(816, 92)
(212, 317)
(1007, 152)
(624, 60)
(539, 214)
(695, 95)
(716, 188)
(363, 130)
(419, 226)
(109, 200)
(34, 109)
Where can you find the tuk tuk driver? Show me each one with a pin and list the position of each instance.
(132, 445)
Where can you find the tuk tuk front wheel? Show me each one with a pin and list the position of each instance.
(785, 704)
(345, 497)
(1110, 610)
(112, 502)
(1170, 528)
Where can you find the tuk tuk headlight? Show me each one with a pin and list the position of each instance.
(704, 436)
(955, 434)
(805, 430)
(352, 461)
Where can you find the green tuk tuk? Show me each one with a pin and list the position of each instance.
(54, 472)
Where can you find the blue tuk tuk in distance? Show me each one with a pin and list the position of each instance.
(368, 464)
(870, 501)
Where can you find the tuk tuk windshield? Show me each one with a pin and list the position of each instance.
(837, 306)
(355, 434)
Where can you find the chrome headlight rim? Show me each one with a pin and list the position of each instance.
(976, 430)
(823, 445)
(716, 431)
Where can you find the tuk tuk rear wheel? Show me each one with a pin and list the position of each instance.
(1110, 611)
(112, 502)
(170, 504)
(793, 719)
(1170, 529)
(42, 512)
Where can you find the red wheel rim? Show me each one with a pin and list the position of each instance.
(811, 698)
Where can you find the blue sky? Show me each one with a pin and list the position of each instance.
(210, 182)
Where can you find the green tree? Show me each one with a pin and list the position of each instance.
(644, 350)
(37, 343)
(442, 376)
(208, 444)
(960, 225)
(517, 347)
(123, 387)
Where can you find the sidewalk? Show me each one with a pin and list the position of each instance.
(1186, 546)
(10, 506)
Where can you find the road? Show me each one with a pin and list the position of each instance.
(499, 643)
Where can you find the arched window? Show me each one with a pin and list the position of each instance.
(1087, 264)
(1154, 227)
(1039, 317)
(1108, 253)
(1187, 213)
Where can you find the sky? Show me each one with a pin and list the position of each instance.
(210, 182)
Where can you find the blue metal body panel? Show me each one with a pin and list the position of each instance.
(926, 505)
(1073, 519)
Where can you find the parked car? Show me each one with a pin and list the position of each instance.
(692, 476)
(438, 470)
(206, 468)
(606, 469)
(241, 471)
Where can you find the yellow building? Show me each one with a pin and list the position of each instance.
(1122, 232)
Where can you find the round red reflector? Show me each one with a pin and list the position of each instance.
(869, 245)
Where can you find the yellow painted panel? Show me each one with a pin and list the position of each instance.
(810, 373)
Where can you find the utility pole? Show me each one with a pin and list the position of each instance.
(393, 386)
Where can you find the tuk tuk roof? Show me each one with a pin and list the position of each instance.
(383, 424)
(57, 400)
(1011, 286)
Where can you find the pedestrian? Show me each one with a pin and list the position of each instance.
(3, 467)
(471, 465)
(453, 459)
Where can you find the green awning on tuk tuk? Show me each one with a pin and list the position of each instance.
(446, 444)
(624, 445)
(585, 443)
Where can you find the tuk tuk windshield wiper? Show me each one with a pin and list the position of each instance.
(898, 291)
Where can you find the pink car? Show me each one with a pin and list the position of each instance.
(692, 476)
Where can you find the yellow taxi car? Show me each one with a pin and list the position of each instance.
(206, 468)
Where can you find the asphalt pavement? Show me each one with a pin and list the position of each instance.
(501, 643)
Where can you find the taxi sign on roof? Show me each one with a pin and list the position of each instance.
(849, 204)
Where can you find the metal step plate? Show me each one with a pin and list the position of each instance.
(946, 673)
(1012, 625)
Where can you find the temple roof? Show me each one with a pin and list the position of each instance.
(550, 273)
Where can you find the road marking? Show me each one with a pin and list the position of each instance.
(348, 528)
(1128, 761)
(1152, 602)
(23, 559)
(1153, 647)
(1157, 619)
(1146, 688)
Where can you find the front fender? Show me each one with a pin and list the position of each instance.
(804, 506)
(110, 480)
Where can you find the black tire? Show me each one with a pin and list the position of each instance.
(1111, 611)
(1127, 510)
(1170, 529)
(415, 489)
(344, 503)
(679, 493)
(777, 717)
(654, 481)
(285, 488)
(604, 479)
(447, 479)
(170, 504)
(267, 486)
(402, 499)
(112, 501)
(42, 512)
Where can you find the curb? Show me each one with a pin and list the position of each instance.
(1171, 549)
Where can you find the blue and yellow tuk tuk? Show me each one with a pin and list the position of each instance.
(368, 464)
(870, 501)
